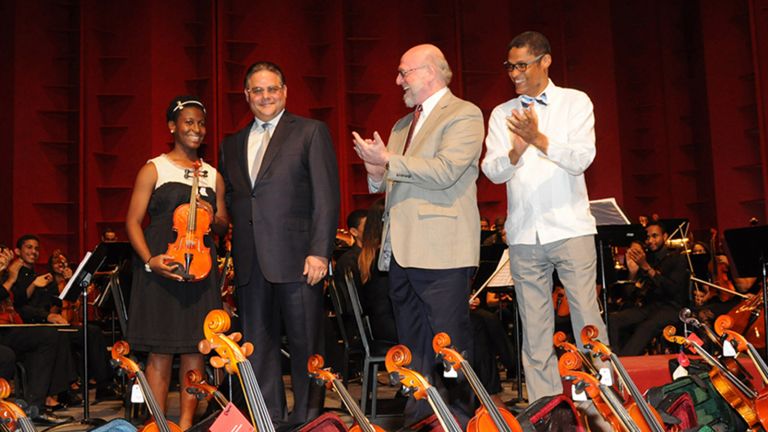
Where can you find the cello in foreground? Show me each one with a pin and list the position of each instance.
(488, 417)
(331, 380)
(398, 357)
(120, 350)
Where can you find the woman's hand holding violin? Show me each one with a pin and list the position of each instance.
(158, 265)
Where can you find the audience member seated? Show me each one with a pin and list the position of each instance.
(42, 350)
(661, 277)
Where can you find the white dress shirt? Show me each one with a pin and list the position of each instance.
(546, 193)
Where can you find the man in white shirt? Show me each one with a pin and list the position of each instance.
(431, 235)
(539, 144)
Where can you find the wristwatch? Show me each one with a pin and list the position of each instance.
(147, 268)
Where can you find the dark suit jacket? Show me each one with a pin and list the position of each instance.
(292, 209)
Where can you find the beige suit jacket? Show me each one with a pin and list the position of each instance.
(431, 195)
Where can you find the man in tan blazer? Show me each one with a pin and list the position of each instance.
(431, 238)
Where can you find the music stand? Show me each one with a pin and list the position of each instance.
(78, 286)
(118, 256)
(747, 249)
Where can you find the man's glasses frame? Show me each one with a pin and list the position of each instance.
(521, 67)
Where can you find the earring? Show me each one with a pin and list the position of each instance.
(173, 130)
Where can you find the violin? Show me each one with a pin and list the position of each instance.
(723, 325)
(12, 415)
(560, 301)
(331, 380)
(748, 320)
(488, 417)
(646, 417)
(414, 384)
(197, 386)
(735, 392)
(606, 402)
(741, 344)
(120, 350)
(189, 253)
(686, 316)
(233, 358)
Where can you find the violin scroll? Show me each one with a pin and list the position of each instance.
(722, 323)
(441, 343)
(670, 334)
(559, 339)
(589, 339)
(315, 365)
(568, 362)
(398, 357)
(230, 353)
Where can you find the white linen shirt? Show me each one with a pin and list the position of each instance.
(546, 193)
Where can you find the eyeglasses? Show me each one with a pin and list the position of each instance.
(259, 91)
(521, 67)
(404, 73)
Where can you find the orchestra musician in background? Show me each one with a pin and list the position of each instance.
(662, 276)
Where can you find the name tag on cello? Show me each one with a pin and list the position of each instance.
(450, 372)
(136, 395)
(728, 350)
(606, 378)
(231, 420)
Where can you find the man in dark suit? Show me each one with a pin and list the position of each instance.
(283, 194)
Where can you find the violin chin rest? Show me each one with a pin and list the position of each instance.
(180, 270)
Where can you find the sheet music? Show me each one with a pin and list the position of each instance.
(80, 266)
(607, 212)
(502, 276)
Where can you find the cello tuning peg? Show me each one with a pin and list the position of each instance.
(247, 349)
(394, 378)
(236, 336)
(318, 382)
(218, 362)
(405, 391)
(204, 346)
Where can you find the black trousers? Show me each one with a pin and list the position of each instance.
(427, 302)
(264, 308)
(46, 355)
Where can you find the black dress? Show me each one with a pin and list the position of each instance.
(166, 316)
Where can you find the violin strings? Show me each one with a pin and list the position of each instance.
(352, 406)
(485, 398)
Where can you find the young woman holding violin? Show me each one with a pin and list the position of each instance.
(168, 298)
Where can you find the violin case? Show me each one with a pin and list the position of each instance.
(707, 407)
(550, 414)
(327, 422)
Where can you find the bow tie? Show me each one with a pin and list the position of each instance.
(527, 100)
